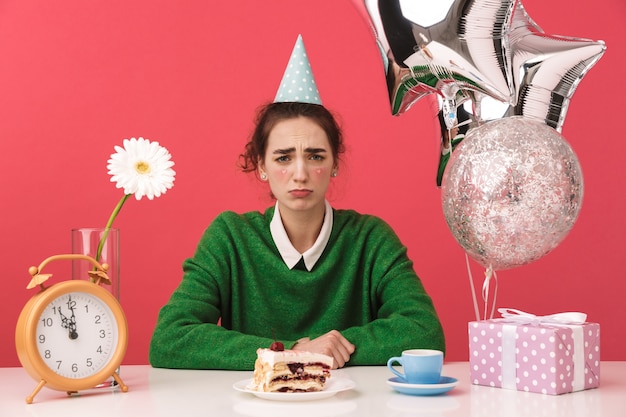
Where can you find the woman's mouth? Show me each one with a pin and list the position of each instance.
(300, 193)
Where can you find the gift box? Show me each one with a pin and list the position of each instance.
(553, 354)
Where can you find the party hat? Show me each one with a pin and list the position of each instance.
(298, 84)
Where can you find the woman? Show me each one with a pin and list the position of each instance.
(317, 279)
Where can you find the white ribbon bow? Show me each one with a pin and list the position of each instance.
(568, 319)
(518, 316)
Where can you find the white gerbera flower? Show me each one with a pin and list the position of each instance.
(142, 168)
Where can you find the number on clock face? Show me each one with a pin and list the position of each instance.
(76, 335)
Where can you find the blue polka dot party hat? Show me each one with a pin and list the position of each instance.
(298, 83)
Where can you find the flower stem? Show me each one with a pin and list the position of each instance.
(107, 228)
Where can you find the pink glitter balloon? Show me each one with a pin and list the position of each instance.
(511, 192)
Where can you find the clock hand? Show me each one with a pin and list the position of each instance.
(65, 322)
(69, 323)
(72, 322)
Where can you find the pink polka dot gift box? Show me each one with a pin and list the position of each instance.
(553, 354)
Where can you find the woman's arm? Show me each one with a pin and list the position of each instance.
(187, 333)
(405, 314)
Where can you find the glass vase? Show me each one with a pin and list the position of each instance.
(85, 241)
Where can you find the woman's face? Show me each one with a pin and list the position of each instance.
(298, 164)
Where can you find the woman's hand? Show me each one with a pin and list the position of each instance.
(332, 344)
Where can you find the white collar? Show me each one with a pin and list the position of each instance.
(289, 254)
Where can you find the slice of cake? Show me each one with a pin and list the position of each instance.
(290, 371)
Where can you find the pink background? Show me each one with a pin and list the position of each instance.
(77, 77)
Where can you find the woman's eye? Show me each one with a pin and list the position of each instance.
(317, 157)
(283, 158)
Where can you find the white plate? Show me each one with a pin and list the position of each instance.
(445, 384)
(333, 386)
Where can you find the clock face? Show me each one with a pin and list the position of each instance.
(77, 335)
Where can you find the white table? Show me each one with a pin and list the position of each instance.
(178, 393)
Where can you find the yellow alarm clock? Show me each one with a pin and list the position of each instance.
(72, 335)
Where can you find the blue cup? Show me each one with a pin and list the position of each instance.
(420, 366)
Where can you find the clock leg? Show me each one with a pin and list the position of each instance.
(119, 381)
(31, 397)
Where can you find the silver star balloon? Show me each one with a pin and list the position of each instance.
(547, 69)
(446, 47)
(479, 50)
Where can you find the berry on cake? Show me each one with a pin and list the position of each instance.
(280, 370)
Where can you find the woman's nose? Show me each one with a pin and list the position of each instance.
(300, 170)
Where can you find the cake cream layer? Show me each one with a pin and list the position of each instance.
(309, 385)
(272, 357)
(285, 371)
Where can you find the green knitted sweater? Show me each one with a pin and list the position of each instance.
(363, 285)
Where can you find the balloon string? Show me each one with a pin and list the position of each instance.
(485, 291)
(469, 273)
(468, 121)
(495, 293)
(490, 275)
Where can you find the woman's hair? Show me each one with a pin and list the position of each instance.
(271, 114)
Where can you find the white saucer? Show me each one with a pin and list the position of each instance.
(333, 386)
(444, 385)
